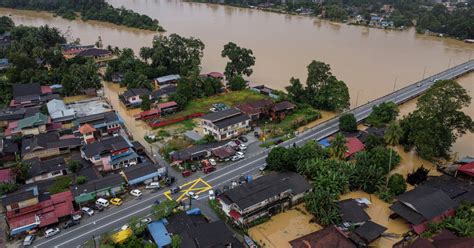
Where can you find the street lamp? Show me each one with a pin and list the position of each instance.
(357, 97)
(80, 207)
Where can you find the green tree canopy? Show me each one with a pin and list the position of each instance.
(241, 60)
(237, 83)
(323, 90)
(438, 120)
(347, 122)
(382, 114)
(177, 54)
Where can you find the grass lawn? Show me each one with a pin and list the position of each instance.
(230, 99)
(299, 118)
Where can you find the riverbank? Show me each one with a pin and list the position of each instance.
(98, 10)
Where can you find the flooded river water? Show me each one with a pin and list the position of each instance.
(372, 62)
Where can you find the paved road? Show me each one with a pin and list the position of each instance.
(115, 217)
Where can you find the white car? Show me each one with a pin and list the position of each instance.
(51, 232)
(136, 193)
(87, 211)
(153, 185)
(193, 195)
(237, 156)
(212, 162)
(28, 240)
(242, 147)
(76, 217)
(124, 227)
(145, 220)
(212, 195)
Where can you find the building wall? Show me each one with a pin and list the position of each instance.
(34, 130)
(46, 176)
(23, 204)
(42, 153)
(225, 133)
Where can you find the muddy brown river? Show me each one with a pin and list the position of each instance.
(372, 62)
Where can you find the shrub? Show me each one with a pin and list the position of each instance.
(81, 180)
(396, 184)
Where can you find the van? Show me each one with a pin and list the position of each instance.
(153, 185)
(102, 202)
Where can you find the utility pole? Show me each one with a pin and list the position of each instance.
(449, 63)
(424, 71)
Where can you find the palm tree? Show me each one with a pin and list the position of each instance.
(338, 147)
(393, 134)
(392, 137)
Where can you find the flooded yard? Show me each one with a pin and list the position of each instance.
(379, 213)
(284, 227)
(137, 129)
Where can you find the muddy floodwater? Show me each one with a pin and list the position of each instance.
(372, 62)
(284, 227)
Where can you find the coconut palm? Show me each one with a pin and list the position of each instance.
(392, 137)
(393, 134)
(338, 147)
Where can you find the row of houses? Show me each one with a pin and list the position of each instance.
(432, 201)
(46, 134)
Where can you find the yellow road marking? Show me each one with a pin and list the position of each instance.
(192, 188)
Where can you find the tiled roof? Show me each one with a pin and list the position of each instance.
(329, 237)
(264, 187)
(86, 128)
(33, 121)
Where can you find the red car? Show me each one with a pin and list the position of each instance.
(208, 169)
(186, 173)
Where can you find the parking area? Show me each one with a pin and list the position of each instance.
(182, 192)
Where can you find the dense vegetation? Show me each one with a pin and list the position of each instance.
(89, 10)
(462, 224)
(382, 114)
(425, 14)
(31, 49)
(438, 120)
(333, 176)
(322, 91)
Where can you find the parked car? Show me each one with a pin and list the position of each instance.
(29, 240)
(278, 141)
(212, 161)
(237, 142)
(99, 208)
(186, 173)
(212, 195)
(242, 147)
(116, 201)
(124, 227)
(136, 193)
(208, 169)
(70, 223)
(76, 217)
(193, 195)
(193, 168)
(256, 134)
(153, 185)
(262, 168)
(51, 232)
(146, 220)
(102, 202)
(233, 184)
(237, 156)
(87, 211)
(175, 190)
(243, 139)
(157, 202)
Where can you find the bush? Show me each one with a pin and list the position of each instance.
(6, 188)
(81, 180)
(60, 184)
(396, 184)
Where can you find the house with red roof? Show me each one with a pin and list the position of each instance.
(354, 145)
(7, 176)
(26, 212)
